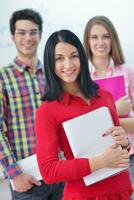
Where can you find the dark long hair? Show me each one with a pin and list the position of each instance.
(53, 89)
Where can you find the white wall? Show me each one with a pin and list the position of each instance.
(72, 15)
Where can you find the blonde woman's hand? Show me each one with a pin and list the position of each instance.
(123, 106)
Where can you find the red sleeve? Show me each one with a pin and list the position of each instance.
(52, 169)
(109, 102)
(113, 110)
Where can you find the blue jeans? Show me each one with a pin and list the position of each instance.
(43, 192)
(131, 169)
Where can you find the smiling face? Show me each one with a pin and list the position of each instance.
(26, 38)
(67, 63)
(99, 41)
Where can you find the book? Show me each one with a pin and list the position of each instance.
(29, 166)
(84, 134)
(115, 85)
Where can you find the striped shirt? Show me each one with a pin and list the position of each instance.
(20, 95)
(128, 73)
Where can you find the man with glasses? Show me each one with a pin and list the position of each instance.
(21, 86)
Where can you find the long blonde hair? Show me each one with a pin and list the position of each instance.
(116, 50)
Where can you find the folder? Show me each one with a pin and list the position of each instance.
(84, 134)
(115, 85)
(29, 166)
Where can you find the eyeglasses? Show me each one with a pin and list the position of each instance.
(23, 33)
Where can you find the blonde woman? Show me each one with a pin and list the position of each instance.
(106, 59)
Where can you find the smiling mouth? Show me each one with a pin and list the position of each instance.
(69, 72)
(28, 47)
(100, 50)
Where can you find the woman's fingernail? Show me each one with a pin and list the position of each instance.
(103, 134)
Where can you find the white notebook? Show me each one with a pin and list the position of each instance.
(29, 166)
(84, 134)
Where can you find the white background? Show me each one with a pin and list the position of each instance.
(69, 14)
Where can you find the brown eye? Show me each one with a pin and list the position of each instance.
(58, 58)
(75, 56)
(106, 36)
(93, 37)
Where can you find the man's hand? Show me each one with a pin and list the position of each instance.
(24, 182)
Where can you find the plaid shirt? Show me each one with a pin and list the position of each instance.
(20, 95)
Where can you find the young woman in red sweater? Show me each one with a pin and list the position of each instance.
(69, 93)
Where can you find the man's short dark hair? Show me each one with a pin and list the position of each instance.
(25, 14)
